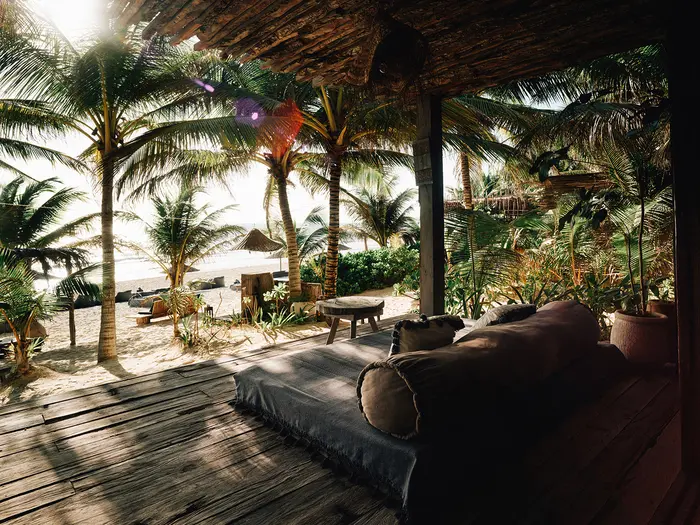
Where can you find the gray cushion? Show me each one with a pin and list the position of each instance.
(427, 333)
(505, 314)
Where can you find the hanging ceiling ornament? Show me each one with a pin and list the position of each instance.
(393, 57)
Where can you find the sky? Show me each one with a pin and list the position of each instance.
(78, 18)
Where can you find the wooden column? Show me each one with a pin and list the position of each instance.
(684, 80)
(427, 152)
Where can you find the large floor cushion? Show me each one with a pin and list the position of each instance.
(442, 390)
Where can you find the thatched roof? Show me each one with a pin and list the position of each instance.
(558, 185)
(257, 241)
(469, 44)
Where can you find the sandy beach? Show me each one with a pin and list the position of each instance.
(60, 367)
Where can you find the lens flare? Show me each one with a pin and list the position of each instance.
(249, 112)
(206, 87)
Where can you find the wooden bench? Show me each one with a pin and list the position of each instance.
(351, 309)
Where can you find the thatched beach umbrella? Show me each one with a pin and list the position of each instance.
(257, 241)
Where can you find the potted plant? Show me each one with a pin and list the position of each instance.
(641, 335)
(664, 303)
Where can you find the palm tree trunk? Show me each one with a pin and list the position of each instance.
(175, 282)
(107, 346)
(467, 194)
(336, 170)
(291, 235)
(22, 356)
(71, 308)
(468, 201)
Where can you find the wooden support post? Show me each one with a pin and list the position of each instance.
(684, 80)
(427, 152)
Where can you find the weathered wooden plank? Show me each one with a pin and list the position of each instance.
(329, 501)
(120, 394)
(273, 480)
(43, 402)
(19, 421)
(91, 421)
(44, 467)
(48, 434)
(382, 516)
(565, 454)
(35, 500)
(577, 500)
(646, 484)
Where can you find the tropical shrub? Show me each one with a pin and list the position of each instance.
(369, 270)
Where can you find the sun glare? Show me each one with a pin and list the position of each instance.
(74, 18)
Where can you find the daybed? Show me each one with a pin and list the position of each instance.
(432, 422)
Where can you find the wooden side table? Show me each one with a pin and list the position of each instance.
(351, 309)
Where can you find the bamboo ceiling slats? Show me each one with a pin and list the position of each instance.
(473, 44)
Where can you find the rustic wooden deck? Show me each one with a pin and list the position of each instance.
(170, 448)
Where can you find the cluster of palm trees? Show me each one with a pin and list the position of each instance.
(155, 117)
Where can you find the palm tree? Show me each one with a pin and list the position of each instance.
(481, 258)
(22, 305)
(126, 98)
(294, 136)
(311, 236)
(381, 215)
(271, 101)
(30, 213)
(183, 233)
(354, 131)
(21, 123)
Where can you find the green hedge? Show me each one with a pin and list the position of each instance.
(369, 270)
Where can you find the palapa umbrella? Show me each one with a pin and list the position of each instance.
(257, 241)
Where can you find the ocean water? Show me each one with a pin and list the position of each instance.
(132, 268)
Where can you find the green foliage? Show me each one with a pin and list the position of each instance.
(369, 270)
(379, 214)
(183, 232)
(22, 305)
(31, 222)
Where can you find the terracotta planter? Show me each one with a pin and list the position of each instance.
(641, 339)
(668, 308)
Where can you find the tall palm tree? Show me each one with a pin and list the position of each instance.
(266, 100)
(381, 215)
(30, 222)
(354, 131)
(295, 135)
(182, 233)
(125, 98)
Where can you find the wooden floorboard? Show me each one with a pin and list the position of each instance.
(170, 447)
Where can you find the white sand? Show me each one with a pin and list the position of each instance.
(60, 367)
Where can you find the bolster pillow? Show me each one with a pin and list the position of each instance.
(426, 392)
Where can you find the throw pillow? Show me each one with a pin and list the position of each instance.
(507, 313)
(427, 333)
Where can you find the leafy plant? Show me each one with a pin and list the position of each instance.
(370, 270)
(182, 233)
(22, 306)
